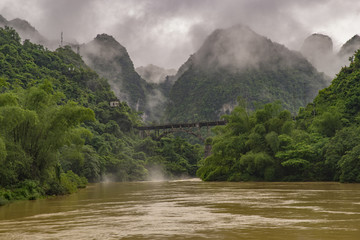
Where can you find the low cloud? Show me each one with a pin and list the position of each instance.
(166, 32)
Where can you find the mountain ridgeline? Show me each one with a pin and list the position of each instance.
(58, 131)
(237, 62)
(318, 49)
(234, 63)
(25, 30)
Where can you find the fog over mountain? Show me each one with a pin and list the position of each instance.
(318, 49)
(237, 62)
(155, 74)
(350, 47)
(25, 30)
(167, 32)
(111, 60)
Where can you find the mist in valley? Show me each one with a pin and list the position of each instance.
(146, 46)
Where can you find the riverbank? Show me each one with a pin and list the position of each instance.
(32, 190)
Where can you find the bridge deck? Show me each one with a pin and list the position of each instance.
(182, 125)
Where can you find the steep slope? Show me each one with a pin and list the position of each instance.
(112, 61)
(349, 48)
(320, 144)
(318, 49)
(344, 92)
(24, 29)
(237, 62)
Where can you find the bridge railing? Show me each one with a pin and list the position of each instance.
(182, 125)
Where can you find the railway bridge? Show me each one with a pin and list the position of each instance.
(159, 131)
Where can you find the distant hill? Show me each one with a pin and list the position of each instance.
(24, 29)
(112, 61)
(318, 49)
(237, 62)
(349, 48)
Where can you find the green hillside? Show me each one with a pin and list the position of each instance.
(58, 131)
(322, 144)
(237, 62)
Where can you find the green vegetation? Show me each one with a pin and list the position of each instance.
(321, 144)
(111, 60)
(57, 130)
(238, 62)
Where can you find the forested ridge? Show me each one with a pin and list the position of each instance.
(57, 130)
(320, 144)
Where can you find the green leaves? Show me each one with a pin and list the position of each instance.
(55, 118)
(350, 166)
(35, 128)
(328, 123)
(3, 152)
(248, 145)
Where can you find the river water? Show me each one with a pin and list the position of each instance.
(190, 209)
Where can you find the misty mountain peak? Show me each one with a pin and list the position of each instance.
(318, 49)
(237, 62)
(22, 25)
(25, 29)
(350, 46)
(106, 39)
(317, 44)
(228, 47)
(3, 20)
(111, 60)
(239, 48)
(104, 46)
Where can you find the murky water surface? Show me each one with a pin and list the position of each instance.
(190, 209)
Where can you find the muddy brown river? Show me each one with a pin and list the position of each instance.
(190, 209)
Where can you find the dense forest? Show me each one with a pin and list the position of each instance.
(320, 144)
(58, 131)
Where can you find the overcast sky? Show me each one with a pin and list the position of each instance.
(166, 32)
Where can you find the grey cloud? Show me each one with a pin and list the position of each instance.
(74, 18)
(144, 26)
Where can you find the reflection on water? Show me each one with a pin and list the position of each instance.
(190, 209)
